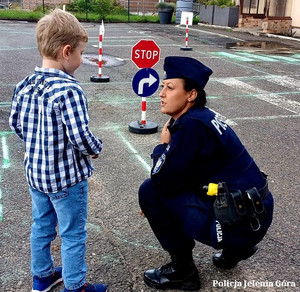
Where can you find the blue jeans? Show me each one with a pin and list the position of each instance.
(68, 208)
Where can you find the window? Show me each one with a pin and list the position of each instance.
(280, 8)
(277, 8)
(254, 7)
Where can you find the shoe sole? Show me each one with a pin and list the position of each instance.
(50, 287)
(103, 291)
(188, 286)
(242, 258)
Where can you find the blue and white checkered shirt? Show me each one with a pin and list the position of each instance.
(49, 113)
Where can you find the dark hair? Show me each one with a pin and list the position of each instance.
(200, 100)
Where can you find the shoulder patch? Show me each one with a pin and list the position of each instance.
(161, 160)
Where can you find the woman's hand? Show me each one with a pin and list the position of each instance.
(165, 136)
(142, 213)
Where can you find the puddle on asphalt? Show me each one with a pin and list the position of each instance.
(263, 47)
(107, 61)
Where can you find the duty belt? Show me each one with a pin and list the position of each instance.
(230, 208)
(264, 191)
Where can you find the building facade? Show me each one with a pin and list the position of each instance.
(272, 16)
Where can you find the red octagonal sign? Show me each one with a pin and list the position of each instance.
(145, 54)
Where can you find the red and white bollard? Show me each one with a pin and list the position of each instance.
(186, 48)
(100, 77)
(143, 127)
(143, 120)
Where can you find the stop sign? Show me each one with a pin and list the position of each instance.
(145, 54)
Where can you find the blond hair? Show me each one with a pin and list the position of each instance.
(58, 29)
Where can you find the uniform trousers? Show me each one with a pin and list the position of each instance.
(179, 220)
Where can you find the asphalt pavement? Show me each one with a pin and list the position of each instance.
(255, 87)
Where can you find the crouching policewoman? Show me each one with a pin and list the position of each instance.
(204, 185)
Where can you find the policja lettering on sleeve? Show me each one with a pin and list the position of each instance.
(217, 123)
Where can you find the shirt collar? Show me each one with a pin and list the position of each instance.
(174, 125)
(52, 72)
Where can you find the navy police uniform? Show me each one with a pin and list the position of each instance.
(203, 149)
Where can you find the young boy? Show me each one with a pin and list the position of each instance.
(49, 113)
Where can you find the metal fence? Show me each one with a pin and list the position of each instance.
(135, 7)
(31, 4)
(139, 7)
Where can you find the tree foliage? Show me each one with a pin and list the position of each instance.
(221, 3)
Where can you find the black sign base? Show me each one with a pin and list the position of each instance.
(186, 48)
(139, 128)
(102, 78)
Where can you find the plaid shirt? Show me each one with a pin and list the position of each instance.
(49, 113)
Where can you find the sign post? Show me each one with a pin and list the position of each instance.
(187, 19)
(100, 77)
(145, 54)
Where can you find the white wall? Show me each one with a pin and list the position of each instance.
(296, 13)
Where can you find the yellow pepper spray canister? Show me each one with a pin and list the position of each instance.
(212, 189)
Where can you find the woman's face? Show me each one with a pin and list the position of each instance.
(175, 100)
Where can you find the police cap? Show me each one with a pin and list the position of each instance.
(186, 68)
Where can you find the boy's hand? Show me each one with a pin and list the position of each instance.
(95, 156)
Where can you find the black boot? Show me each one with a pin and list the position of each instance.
(181, 273)
(229, 258)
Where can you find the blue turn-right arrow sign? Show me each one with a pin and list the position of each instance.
(145, 82)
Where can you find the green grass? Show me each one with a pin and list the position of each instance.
(20, 14)
(14, 14)
(93, 17)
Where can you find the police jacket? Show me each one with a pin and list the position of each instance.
(203, 149)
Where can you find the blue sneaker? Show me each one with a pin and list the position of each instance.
(45, 284)
(89, 288)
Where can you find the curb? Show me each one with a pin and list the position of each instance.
(250, 31)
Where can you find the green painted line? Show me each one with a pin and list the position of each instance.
(93, 227)
(258, 57)
(254, 57)
(232, 56)
(134, 151)
(286, 59)
(5, 104)
(276, 93)
(1, 212)
(265, 73)
(1, 205)
(6, 161)
(6, 133)
(120, 237)
(296, 56)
